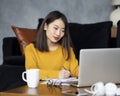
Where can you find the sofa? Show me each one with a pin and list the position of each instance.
(83, 36)
(118, 35)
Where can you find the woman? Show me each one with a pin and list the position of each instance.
(52, 52)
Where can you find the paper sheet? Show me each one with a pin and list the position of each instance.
(63, 81)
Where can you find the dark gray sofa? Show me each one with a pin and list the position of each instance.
(96, 35)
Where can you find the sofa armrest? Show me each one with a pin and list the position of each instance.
(14, 60)
(10, 47)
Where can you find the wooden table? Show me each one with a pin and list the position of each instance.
(43, 90)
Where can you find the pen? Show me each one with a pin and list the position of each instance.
(64, 68)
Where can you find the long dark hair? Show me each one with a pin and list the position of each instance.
(41, 40)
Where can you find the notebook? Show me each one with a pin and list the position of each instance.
(99, 65)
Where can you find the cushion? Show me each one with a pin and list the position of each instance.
(94, 35)
(40, 20)
(118, 35)
(24, 36)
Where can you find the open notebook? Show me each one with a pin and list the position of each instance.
(55, 81)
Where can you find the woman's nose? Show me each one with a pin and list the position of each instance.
(58, 32)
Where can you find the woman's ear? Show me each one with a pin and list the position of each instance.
(45, 26)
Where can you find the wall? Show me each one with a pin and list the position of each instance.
(25, 13)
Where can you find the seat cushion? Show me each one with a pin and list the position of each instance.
(96, 35)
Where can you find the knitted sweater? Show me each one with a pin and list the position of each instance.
(50, 63)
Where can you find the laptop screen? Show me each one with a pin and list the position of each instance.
(99, 65)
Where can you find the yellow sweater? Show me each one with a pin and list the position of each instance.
(49, 63)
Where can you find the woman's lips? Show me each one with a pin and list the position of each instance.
(56, 38)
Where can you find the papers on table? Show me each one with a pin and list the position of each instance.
(66, 81)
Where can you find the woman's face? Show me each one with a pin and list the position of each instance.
(55, 31)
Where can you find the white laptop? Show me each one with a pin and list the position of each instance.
(99, 65)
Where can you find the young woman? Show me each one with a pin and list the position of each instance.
(52, 52)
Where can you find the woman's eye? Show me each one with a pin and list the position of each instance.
(55, 28)
(63, 30)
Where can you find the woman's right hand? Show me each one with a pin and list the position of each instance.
(64, 74)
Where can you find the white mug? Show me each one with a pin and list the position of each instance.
(32, 77)
(32, 91)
